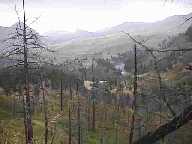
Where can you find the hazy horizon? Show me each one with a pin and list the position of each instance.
(90, 16)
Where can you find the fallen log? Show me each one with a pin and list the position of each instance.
(167, 128)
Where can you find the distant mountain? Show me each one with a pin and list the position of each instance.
(58, 37)
(9, 41)
(7, 32)
(112, 41)
(4, 32)
(171, 25)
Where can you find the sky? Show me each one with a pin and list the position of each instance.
(90, 15)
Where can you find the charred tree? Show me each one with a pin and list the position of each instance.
(44, 94)
(173, 125)
(61, 95)
(93, 97)
(27, 110)
(131, 136)
(78, 115)
(69, 116)
(93, 115)
(23, 52)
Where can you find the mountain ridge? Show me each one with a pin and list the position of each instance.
(111, 41)
(171, 25)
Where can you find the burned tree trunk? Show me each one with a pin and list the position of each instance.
(79, 116)
(45, 111)
(167, 128)
(27, 103)
(70, 134)
(93, 115)
(69, 116)
(88, 112)
(61, 96)
(93, 97)
(131, 135)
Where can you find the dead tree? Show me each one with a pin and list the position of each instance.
(45, 107)
(162, 131)
(93, 97)
(78, 114)
(131, 136)
(61, 95)
(27, 110)
(24, 51)
(69, 115)
(151, 51)
(93, 115)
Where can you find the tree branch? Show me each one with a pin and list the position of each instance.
(167, 128)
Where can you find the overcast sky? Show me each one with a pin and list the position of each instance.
(91, 15)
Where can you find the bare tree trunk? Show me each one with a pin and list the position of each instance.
(93, 115)
(28, 117)
(25, 121)
(162, 95)
(61, 96)
(70, 130)
(156, 68)
(103, 119)
(70, 135)
(79, 117)
(14, 105)
(45, 111)
(116, 133)
(93, 98)
(88, 113)
(131, 136)
(167, 128)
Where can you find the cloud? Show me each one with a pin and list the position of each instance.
(88, 4)
(76, 3)
(79, 4)
(89, 14)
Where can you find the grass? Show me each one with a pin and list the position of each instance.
(4, 114)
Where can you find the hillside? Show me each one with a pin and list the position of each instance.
(108, 42)
(112, 41)
(170, 25)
